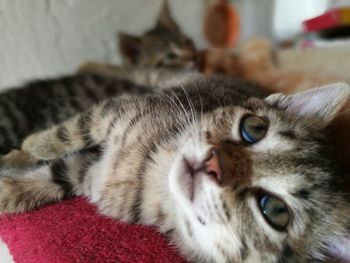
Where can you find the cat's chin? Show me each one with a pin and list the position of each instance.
(193, 184)
(185, 181)
(188, 184)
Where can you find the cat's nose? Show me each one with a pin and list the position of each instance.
(212, 165)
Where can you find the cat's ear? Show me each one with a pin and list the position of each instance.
(165, 18)
(130, 48)
(323, 103)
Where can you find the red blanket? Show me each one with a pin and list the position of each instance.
(72, 231)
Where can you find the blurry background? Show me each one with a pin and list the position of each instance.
(42, 38)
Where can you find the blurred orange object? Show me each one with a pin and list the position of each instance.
(221, 25)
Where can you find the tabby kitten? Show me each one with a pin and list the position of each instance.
(40, 104)
(161, 57)
(162, 46)
(230, 176)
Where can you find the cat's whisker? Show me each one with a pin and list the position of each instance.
(170, 99)
(190, 104)
(200, 115)
(182, 109)
(191, 110)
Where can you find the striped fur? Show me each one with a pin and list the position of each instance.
(40, 104)
(127, 156)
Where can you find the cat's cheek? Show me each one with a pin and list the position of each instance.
(180, 182)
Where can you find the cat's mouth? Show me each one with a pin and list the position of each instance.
(196, 173)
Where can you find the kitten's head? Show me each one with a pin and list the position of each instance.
(163, 46)
(254, 184)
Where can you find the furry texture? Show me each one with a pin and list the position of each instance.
(40, 104)
(137, 159)
(163, 56)
(163, 46)
(152, 77)
(256, 62)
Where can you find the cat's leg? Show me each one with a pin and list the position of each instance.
(17, 161)
(34, 188)
(82, 131)
(28, 191)
(46, 184)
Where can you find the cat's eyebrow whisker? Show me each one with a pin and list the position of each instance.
(170, 99)
(190, 104)
(182, 109)
(183, 125)
(200, 118)
(191, 108)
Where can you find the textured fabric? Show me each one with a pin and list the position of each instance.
(72, 231)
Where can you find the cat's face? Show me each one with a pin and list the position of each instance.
(151, 51)
(252, 185)
(163, 46)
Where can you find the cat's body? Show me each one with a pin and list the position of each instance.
(152, 77)
(163, 46)
(180, 158)
(208, 168)
(41, 104)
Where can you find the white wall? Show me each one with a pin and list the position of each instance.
(256, 18)
(42, 38)
(289, 15)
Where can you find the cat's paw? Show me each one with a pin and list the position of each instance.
(17, 160)
(5, 195)
(17, 195)
(43, 145)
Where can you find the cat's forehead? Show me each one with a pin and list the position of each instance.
(161, 35)
(282, 127)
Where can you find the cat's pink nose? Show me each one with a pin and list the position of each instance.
(212, 165)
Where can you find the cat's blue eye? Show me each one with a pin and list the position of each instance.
(275, 211)
(252, 129)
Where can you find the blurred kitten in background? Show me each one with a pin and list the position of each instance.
(163, 56)
(165, 45)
